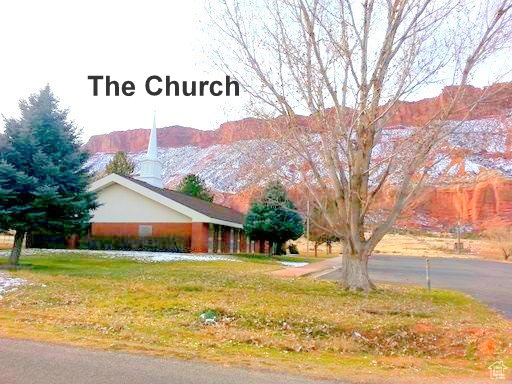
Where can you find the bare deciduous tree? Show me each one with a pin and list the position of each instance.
(503, 238)
(347, 64)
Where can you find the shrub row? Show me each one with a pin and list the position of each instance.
(38, 240)
(124, 243)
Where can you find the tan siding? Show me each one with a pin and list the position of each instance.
(122, 205)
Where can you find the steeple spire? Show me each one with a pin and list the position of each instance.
(150, 165)
(153, 145)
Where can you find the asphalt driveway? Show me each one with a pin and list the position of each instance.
(27, 362)
(487, 281)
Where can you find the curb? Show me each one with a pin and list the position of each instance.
(318, 274)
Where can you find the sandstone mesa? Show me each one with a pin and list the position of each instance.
(482, 199)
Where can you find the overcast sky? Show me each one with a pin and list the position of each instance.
(62, 42)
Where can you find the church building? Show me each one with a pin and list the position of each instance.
(142, 207)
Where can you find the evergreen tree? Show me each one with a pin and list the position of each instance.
(3, 141)
(120, 164)
(274, 217)
(195, 186)
(43, 181)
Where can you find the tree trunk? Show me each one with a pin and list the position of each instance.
(316, 249)
(354, 272)
(262, 247)
(16, 248)
(279, 248)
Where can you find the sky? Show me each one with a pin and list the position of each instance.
(62, 42)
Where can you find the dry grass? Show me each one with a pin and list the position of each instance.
(6, 240)
(417, 245)
(305, 326)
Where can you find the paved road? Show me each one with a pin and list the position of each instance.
(487, 281)
(26, 362)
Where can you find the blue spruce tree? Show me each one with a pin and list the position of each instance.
(43, 181)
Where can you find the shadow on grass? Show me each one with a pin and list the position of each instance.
(29, 266)
(265, 258)
(72, 266)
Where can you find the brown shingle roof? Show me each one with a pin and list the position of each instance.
(215, 211)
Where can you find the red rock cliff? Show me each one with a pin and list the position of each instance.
(485, 201)
(496, 101)
(136, 140)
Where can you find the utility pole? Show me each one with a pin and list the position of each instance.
(427, 272)
(307, 227)
(458, 235)
(459, 210)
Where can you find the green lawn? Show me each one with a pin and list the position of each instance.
(302, 326)
(255, 257)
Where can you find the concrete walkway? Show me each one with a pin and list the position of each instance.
(311, 270)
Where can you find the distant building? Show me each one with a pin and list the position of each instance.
(142, 207)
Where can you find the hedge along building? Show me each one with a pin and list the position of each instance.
(141, 207)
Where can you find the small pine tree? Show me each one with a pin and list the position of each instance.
(274, 217)
(195, 186)
(120, 164)
(43, 181)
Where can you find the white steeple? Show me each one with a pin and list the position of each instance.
(150, 165)
(152, 146)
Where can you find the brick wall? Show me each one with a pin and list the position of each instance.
(132, 229)
(243, 243)
(225, 239)
(199, 237)
(196, 233)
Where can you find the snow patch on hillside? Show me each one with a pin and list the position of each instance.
(234, 167)
(224, 167)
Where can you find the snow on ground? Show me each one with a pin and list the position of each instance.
(164, 256)
(9, 283)
(151, 256)
(293, 263)
(137, 255)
